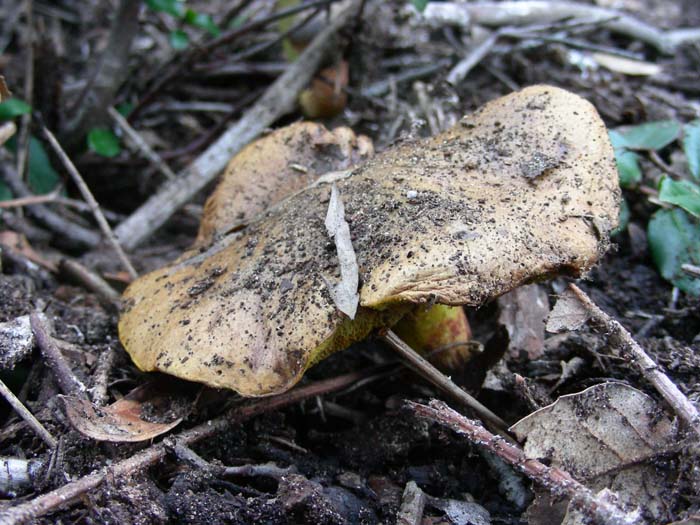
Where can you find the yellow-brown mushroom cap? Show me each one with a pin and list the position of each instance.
(523, 188)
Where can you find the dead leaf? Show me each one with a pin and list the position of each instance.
(523, 313)
(344, 293)
(478, 226)
(607, 437)
(568, 314)
(19, 243)
(4, 90)
(123, 421)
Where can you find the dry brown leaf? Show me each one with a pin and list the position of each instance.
(122, 421)
(568, 314)
(606, 437)
(523, 188)
(523, 313)
(19, 243)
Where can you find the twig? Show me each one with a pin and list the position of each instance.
(657, 161)
(691, 269)
(628, 347)
(476, 55)
(555, 480)
(141, 144)
(166, 78)
(17, 475)
(67, 382)
(89, 279)
(90, 199)
(55, 197)
(25, 122)
(279, 99)
(28, 417)
(70, 232)
(426, 370)
(6, 131)
(73, 491)
(383, 86)
(107, 75)
(98, 390)
(412, 505)
(500, 14)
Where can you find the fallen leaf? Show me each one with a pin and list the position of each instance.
(503, 198)
(19, 243)
(523, 313)
(344, 293)
(123, 421)
(568, 314)
(606, 437)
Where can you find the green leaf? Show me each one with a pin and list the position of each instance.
(202, 21)
(42, 177)
(13, 107)
(691, 146)
(125, 108)
(683, 193)
(628, 169)
(674, 240)
(172, 7)
(103, 142)
(5, 193)
(179, 39)
(649, 136)
(420, 4)
(623, 218)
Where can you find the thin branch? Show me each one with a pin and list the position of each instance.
(25, 121)
(90, 199)
(28, 417)
(555, 480)
(71, 492)
(141, 144)
(107, 76)
(90, 280)
(629, 348)
(426, 370)
(500, 14)
(67, 382)
(279, 99)
(166, 78)
(69, 232)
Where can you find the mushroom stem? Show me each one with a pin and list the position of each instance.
(426, 370)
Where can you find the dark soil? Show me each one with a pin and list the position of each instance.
(349, 455)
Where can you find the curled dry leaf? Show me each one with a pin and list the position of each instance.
(607, 437)
(123, 421)
(524, 188)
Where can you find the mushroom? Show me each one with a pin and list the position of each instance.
(522, 189)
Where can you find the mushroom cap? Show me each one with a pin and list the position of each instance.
(524, 188)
